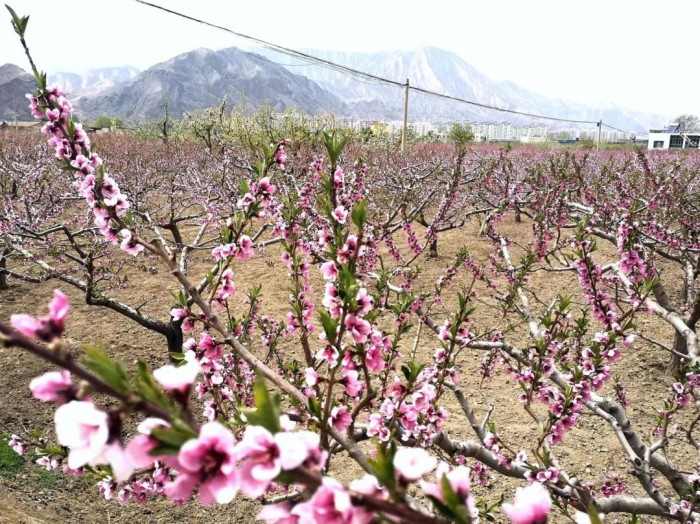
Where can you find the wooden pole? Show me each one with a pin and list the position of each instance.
(405, 118)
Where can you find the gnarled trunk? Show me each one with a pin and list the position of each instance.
(174, 337)
(432, 249)
(3, 272)
(680, 347)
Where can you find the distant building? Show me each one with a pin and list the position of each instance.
(379, 128)
(21, 126)
(671, 138)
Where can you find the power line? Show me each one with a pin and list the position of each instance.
(287, 51)
(620, 130)
(354, 77)
(357, 74)
(486, 106)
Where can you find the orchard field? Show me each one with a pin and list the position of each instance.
(258, 319)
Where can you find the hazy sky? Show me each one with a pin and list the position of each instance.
(637, 54)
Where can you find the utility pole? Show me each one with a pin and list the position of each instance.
(600, 129)
(405, 118)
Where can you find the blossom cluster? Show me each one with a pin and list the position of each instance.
(72, 145)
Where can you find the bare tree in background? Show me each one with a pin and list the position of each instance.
(688, 123)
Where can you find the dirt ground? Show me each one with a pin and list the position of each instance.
(29, 494)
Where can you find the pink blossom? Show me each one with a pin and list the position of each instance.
(329, 354)
(245, 201)
(223, 251)
(34, 106)
(16, 444)
(84, 430)
(245, 248)
(227, 287)
(532, 504)
(375, 360)
(340, 214)
(109, 188)
(338, 178)
(107, 487)
(119, 203)
(329, 270)
(208, 462)
(358, 328)
(264, 187)
(73, 472)
(423, 397)
(278, 514)
(331, 301)
(281, 157)
(140, 447)
(47, 463)
(458, 479)
(179, 313)
(310, 377)
(351, 383)
(263, 456)
(54, 386)
(331, 504)
(53, 114)
(369, 485)
(177, 378)
(364, 301)
(46, 328)
(412, 463)
(340, 418)
(375, 426)
(548, 475)
(129, 244)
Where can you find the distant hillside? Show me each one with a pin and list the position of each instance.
(446, 73)
(14, 84)
(202, 78)
(94, 81)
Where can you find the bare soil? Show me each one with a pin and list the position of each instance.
(29, 494)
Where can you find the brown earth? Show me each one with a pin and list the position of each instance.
(590, 451)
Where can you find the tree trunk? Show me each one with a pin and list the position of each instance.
(518, 216)
(679, 346)
(174, 338)
(3, 267)
(432, 249)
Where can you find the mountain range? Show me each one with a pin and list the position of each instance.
(202, 78)
(14, 84)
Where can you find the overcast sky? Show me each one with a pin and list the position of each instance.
(636, 54)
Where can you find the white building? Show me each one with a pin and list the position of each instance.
(671, 138)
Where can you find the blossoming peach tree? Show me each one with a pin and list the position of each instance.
(243, 410)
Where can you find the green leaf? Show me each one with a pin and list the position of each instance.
(171, 437)
(112, 372)
(267, 408)
(334, 147)
(128, 218)
(451, 498)
(382, 466)
(164, 449)
(147, 388)
(458, 511)
(18, 22)
(411, 371)
(593, 515)
(226, 234)
(330, 326)
(315, 408)
(359, 214)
